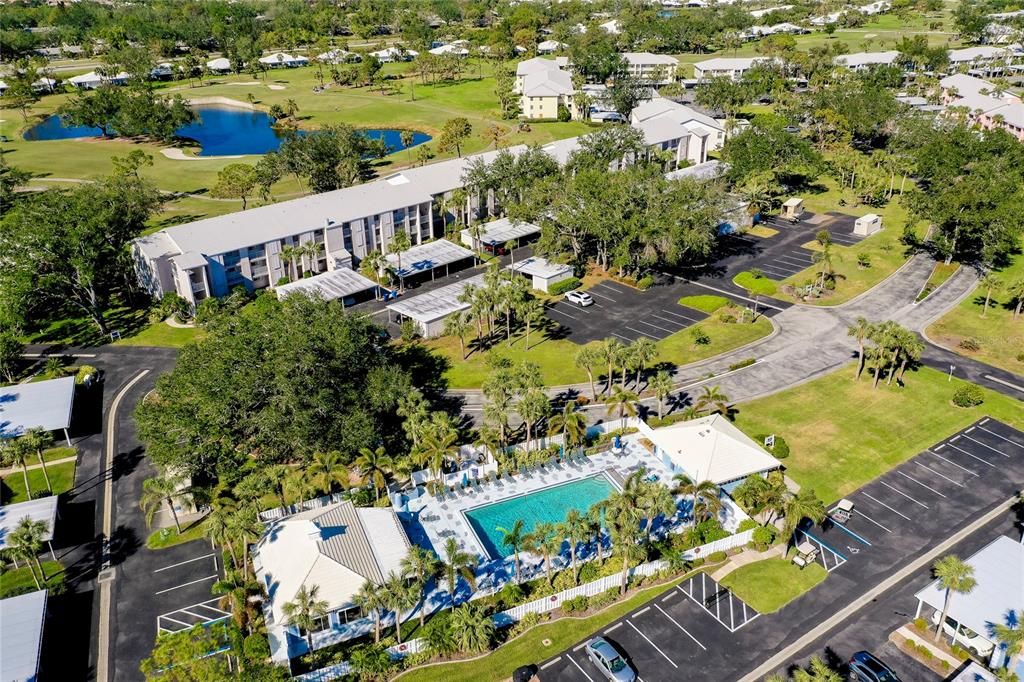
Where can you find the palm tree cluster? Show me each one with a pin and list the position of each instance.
(888, 346)
(612, 355)
(25, 542)
(302, 258)
(493, 308)
(771, 496)
(513, 388)
(18, 452)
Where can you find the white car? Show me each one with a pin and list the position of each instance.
(580, 298)
(966, 638)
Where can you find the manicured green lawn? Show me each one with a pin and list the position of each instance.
(61, 452)
(536, 645)
(62, 478)
(940, 273)
(1000, 337)
(161, 334)
(883, 249)
(843, 433)
(556, 357)
(706, 303)
(169, 537)
(19, 580)
(771, 584)
(755, 285)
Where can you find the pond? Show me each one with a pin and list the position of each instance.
(219, 131)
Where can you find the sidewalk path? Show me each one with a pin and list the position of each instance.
(17, 470)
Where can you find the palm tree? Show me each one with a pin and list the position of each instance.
(531, 311)
(217, 529)
(305, 610)
(241, 596)
(545, 541)
(610, 350)
(514, 538)
(656, 500)
(245, 525)
(1011, 635)
(712, 400)
(596, 515)
(643, 352)
(458, 563)
(16, 452)
(803, 505)
(291, 107)
(471, 627)
(458, 324)
(817, 671)
(571, 422)
(576, 529)
(372, 599)
(623, 527)
(374, 465)
(532, 407)
(26, 541)
(704, 494)
(423, 565)
(434, 448)
(991, 283)
(400, 596)
(954, 575)
(289, 254)
(298, 485)
(399, 244)
(623, 403)
(325, 469)
(312, 250)
(1015, 289)
(662, 386)
(38, 440)
(161, 490)
(861, 330)
(586, 359)
(406, 138)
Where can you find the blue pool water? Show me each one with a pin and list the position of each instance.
(220, 131)
(550, 505)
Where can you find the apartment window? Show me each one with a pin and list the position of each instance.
(257, 251)
(261, 281)
(348, 615)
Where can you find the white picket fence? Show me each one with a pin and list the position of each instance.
(548, 603)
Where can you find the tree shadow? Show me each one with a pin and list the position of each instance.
(124, 542)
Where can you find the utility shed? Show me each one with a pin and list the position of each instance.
(867, 225)
(543, 272)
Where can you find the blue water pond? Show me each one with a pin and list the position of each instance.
(219, 131)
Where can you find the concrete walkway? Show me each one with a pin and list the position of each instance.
(748, 556)
(17, 470)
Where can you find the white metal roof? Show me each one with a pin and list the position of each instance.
(39, 509)
(43, 404)
(338, 547)
(436, 304)
(708, 170)
(329, 285)
(535, 266)
(867, 58)
(22, 620)
(426, 257)
(998, 568)
(640, 58)
(711, 448)
(219, 64)
(499, 231)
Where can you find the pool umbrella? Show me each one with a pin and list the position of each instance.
(465, 480)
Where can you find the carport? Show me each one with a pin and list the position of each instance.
(497, 233)
(998, 568)
(22, 618)
(428, 258)
(429, 310)
(345, 284)
(542, 272)
(41, 509)
(42, 405)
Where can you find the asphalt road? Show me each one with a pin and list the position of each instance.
(897, 518)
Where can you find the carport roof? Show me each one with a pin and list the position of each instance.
(998, 568)
(43, 404)
(436, 304)
(502, 230)
(22, 619)
(712, 449)
(535, 266)
(40, 509)
(329, 285)
(426, 257)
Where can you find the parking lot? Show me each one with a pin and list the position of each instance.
(665, 639)
(625, 313)
(699, 629)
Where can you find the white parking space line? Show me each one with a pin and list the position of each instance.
(624, 338)
(550, 663)
(971, 454)
(182, 563)
(668, 320)
(579, 646)
(986, 446)
(613, 627)
(179, 622)
(1008, 440)
(647, 334)
(900, 492)
(941, 475)
(678, 625)
(800, 259)
(923, 485)
(894, 511)
(868, 518)
(686, 318)
(607, 298)
(651, 324)
(772, 270)
(580, 669)
(958, 466)
(191, 582)
(639, 632)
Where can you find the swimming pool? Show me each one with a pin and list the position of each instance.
(547, 505)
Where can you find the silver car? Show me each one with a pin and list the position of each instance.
(580, 298)
(607, 659)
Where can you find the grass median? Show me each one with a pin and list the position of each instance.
(770, 584)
